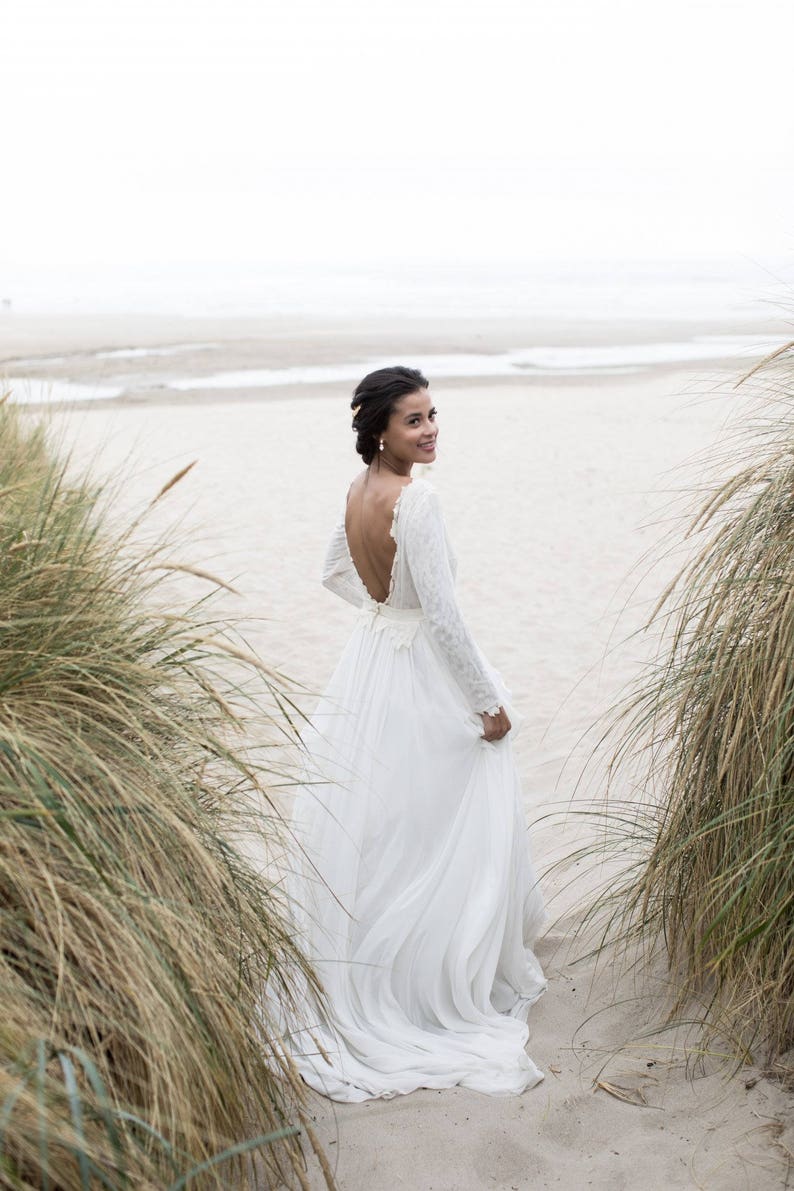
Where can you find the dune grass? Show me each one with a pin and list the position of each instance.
(706, 851)
(136, 942)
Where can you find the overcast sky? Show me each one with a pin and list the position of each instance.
(331, 130)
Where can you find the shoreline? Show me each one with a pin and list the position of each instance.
(717, 372)
(154, 361)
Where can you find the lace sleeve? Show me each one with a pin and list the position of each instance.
(339, 575)
(428, 561)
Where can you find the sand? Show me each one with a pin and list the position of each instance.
(553, 493)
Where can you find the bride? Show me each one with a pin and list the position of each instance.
(415, 893)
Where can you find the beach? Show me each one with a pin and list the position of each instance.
(557, 485)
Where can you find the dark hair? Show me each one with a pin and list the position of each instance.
(374, 398)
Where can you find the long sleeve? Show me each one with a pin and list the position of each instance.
(428, 560)
(339, 574)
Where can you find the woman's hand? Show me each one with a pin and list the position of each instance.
(496, 726)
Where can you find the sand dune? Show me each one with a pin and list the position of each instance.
(553, 492)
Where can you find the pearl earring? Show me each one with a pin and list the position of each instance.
(380, 445)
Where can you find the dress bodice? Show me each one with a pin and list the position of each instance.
(422, 577)
(340, 574)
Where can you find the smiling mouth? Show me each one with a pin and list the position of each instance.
(427, 445)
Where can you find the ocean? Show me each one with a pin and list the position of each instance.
(734, 289)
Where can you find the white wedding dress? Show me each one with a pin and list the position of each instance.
(414, 891)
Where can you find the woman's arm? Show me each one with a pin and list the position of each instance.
(426, 554)
(339, 575)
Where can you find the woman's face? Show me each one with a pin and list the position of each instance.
(412, 430)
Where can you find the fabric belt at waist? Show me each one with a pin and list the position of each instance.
(400, 623)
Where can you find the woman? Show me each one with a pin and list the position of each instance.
(416, 895)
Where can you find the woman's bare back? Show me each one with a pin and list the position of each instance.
(368, 521)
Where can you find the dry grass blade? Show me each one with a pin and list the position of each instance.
(634, 1096)
(180, 475)
(184, 569)
(767, 360)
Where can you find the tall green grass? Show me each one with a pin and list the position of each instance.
(136, 942)
(710, 729)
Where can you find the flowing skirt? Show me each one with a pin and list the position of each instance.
(414, 890)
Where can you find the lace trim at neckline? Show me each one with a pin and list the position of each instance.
(393, 526)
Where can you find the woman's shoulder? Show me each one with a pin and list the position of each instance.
(420, 486)
(357, 482)
(417, 500)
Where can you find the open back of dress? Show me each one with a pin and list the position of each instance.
(371, 541)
